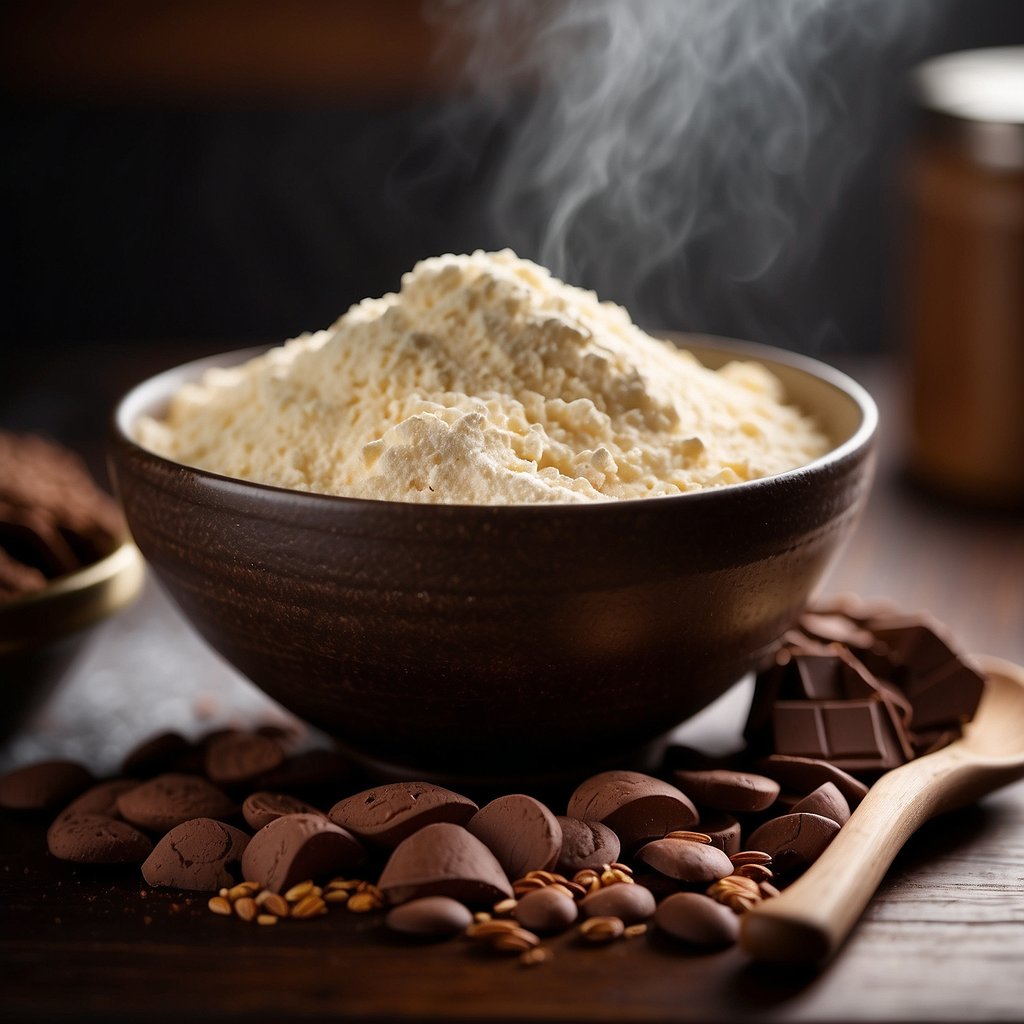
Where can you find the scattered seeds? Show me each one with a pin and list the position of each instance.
(245, 908)
(299, 892)
(309, 906)
(693, 837)
(534, 956)
(220, 905)
(272, 903)
(602, 929)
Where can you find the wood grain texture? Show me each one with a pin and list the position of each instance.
(943, 939)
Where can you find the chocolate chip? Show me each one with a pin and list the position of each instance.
(585, 844)
(99, 799)
(435, 917)
(802, 775)
(170, 799)
(853, 734)
(727, 790)
(197, 854)
(36, 787)
(546, 910)
(827, 801)
(156, 754)
(698, 920)
(520, 831)
(312, 770)
(794, 840)
(444, 859)
(296, 847)
(240, 756)
(630, 902)
(686, 860)
(636, 807)
(386, 815)
(96, 839)
(261, 809)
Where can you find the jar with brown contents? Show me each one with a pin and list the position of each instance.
(966, 276)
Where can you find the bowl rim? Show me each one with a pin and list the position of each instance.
(146, 392)
(72, 601)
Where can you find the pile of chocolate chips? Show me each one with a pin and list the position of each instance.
(863, 687)
(53, 517)
(277, 835)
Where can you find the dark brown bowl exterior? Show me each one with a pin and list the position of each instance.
(484, 641)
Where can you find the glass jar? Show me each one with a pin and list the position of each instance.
(966, 275)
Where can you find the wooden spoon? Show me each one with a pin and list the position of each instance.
(810, 920)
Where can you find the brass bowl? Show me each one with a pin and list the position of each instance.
(42, 632)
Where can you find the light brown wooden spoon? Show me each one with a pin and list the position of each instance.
(810, 920)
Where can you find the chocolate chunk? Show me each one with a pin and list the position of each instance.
(802, 775)
(96, 839)
(698, 920)
(386, 815)
(636, 807)
(261, 809)
(520, 831)
(949, 695)
(723, 829)
(728, 791)
(296, 847)
(546, 910)
(444, 859)
(198, 854)
(159, 753)
(856, 735)
(631, 903)
(240, 756)
(99, 799)
(36, 787)
(834, 676)
(585, 844)
(432, 917)
(794, 840)
(827, 801)
(170, 799)
(686, 860)
(312, 770)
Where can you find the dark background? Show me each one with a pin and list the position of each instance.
(220, 173)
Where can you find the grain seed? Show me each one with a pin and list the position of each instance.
(245, 908)
(309, 906)
(534, 956)
(220, 905)
(364, 902)
(693, 837)
(272, 903)
(602, 929)
(750, 857)
(299, 891)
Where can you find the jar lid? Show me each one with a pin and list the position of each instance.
(979, 94)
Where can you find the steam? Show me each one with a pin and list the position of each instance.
(679, 156)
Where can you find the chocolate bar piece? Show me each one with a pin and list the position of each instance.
(864, 687)
(855, 735)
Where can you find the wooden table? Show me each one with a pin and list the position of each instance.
(943, 940)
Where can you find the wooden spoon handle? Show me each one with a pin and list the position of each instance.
(809, 921)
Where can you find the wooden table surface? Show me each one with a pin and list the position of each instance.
(943, 939)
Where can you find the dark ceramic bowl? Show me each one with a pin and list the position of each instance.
(42, 633)
(489, 641)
